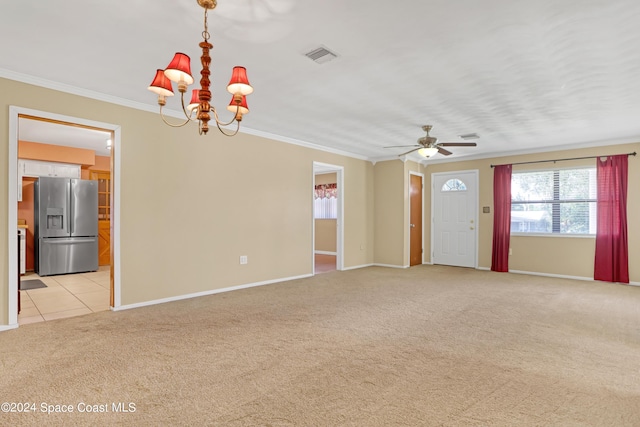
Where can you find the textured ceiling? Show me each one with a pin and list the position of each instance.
(524, 75)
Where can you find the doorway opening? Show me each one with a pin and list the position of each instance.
(328, 212)
(106, 281)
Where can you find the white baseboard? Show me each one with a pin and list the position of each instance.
(8, 327)
(204, 293)
(390, 265)
(355, 267)
(563, 276)
(558, 276)
(325, 253)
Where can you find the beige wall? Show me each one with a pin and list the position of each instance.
(389, 218)
(391, 187)
(326, 232)
(326, 178)
(569, 256)
(191, 205)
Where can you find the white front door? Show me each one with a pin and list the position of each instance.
(454, 218)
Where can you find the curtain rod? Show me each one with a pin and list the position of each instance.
(562, 160)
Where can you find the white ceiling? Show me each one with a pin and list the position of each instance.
(67, 135)
(525, 75)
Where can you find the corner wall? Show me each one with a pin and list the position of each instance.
(389, 215)
(565, 256)
(191, 205)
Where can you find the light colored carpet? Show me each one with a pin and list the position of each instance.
(430, 345)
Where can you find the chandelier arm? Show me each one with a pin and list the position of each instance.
(189, 115)
(218, 122)
(179, 125)
(228, 134)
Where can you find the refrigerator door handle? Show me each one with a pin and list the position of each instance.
(63, 241)
(71, 208)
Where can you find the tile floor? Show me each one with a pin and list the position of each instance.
(65, 296)
(325, 263)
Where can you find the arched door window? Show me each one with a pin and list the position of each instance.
(454, 185)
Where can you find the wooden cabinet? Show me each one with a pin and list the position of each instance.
(104, 215)
(104, 193)
(36, 168)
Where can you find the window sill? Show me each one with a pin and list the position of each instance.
(579, 236)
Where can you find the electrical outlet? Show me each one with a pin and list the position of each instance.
(244, 259)
(510, 251)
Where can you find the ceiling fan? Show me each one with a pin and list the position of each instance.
(428, 145)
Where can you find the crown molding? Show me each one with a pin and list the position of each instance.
(301, 143)
(61, 87)
(550, 149)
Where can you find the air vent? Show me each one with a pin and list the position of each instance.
(469, 136)
(321, 55)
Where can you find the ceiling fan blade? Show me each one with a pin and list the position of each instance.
(457, 144)
(410, 151)
(403, 146)
(444, 152)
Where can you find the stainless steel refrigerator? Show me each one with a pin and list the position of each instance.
(66, 225)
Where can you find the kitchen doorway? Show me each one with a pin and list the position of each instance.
(107, 276)
(328, 231)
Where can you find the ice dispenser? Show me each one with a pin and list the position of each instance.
(55, 218)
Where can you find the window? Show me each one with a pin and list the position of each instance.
(560, 201)
(325, 202)
(454, 185)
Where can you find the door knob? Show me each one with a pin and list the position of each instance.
(412, 225)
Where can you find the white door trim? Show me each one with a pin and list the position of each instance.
(319, 167)
(421, 175)
(12, 213)
(476, 174)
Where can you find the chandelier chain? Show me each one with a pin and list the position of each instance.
(205, 33)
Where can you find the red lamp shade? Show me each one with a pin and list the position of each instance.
(195, 100)
(161, 85)
(239, 82)
(179, 69)
(233, 107)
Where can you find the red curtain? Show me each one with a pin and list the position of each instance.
(501, 218)
(612, 258)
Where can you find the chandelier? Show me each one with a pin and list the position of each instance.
(199, 108)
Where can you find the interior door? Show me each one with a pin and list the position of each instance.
(415, 220)
(455, 217)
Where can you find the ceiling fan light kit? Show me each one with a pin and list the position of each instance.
(428, 146)
(199, 108)
(427, 152)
